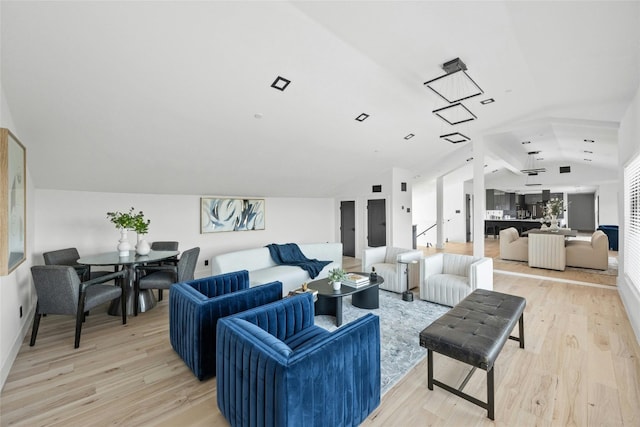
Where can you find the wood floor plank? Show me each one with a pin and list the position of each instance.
(581, 366)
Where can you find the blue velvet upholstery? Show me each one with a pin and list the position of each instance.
(277, 368)
(195, 307)
(612, 233)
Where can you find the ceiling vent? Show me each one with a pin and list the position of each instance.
(565, 169)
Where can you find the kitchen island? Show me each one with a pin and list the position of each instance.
(493, 226)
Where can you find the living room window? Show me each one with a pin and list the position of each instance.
(632, 220)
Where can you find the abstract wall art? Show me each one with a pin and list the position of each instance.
(226, 214)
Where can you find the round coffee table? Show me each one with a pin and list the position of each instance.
(330, 301)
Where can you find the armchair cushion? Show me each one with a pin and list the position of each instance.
(449, 278)
(275, 367)
(196, 306)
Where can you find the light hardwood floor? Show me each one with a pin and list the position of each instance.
(581, 366)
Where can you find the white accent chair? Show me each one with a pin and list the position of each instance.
(449, 278)
(592, 254)
(546, 250)
(512, 246)
(385, 259)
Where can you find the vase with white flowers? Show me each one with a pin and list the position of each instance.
(552, 210)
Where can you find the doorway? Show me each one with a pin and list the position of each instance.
(581, 210)
(348, 227)
(376, 223)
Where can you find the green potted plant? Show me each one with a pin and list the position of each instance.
(122, 220)
(130, 220)
(336, 276)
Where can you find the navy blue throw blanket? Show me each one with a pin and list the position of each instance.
(290, 254)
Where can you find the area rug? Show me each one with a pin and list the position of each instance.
(400, 326)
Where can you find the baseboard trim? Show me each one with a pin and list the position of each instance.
(15, 347)
(630, 296)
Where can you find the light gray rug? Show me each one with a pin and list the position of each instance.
(400, 326)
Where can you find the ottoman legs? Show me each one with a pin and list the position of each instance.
(488, 405)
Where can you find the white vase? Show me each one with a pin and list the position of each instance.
(143, 247)
(554, 223)
(336, 285)
(123, 245)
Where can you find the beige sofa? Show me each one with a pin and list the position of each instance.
(512, 246)
(593, 254)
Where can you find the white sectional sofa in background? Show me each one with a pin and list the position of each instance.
(262, 268)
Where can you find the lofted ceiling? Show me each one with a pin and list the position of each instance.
(176, 97)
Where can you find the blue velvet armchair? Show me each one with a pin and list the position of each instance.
(276, 368)
(612, 233)
(195, 307)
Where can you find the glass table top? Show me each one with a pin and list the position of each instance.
(113, 258)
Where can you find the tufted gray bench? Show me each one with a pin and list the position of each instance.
(474, 332)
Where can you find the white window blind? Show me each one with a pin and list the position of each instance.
(632, 221)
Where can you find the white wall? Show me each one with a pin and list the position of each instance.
(78, 219)
(629, 147)
(608, 205)
(16, 289)
(399, 221)
(401, 218)
(424, 209)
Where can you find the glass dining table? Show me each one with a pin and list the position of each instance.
(147, 298)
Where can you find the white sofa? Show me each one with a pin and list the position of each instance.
(386, 260)
(449, 278)
(262, 268)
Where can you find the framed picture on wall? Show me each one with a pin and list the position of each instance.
(13, 212)
(219, 214)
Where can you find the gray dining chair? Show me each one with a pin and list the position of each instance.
(60, 291)
(162, 277)
(70, 256)
(166, 246)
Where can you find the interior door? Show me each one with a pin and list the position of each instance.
(376, 223)
(348, 228)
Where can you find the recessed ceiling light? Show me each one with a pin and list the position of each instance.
(362, 117)
(408, 137)
(487, 101)
(588, 152)
(280, 83)
(590, 141)
(526, 142)
(455, 138)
